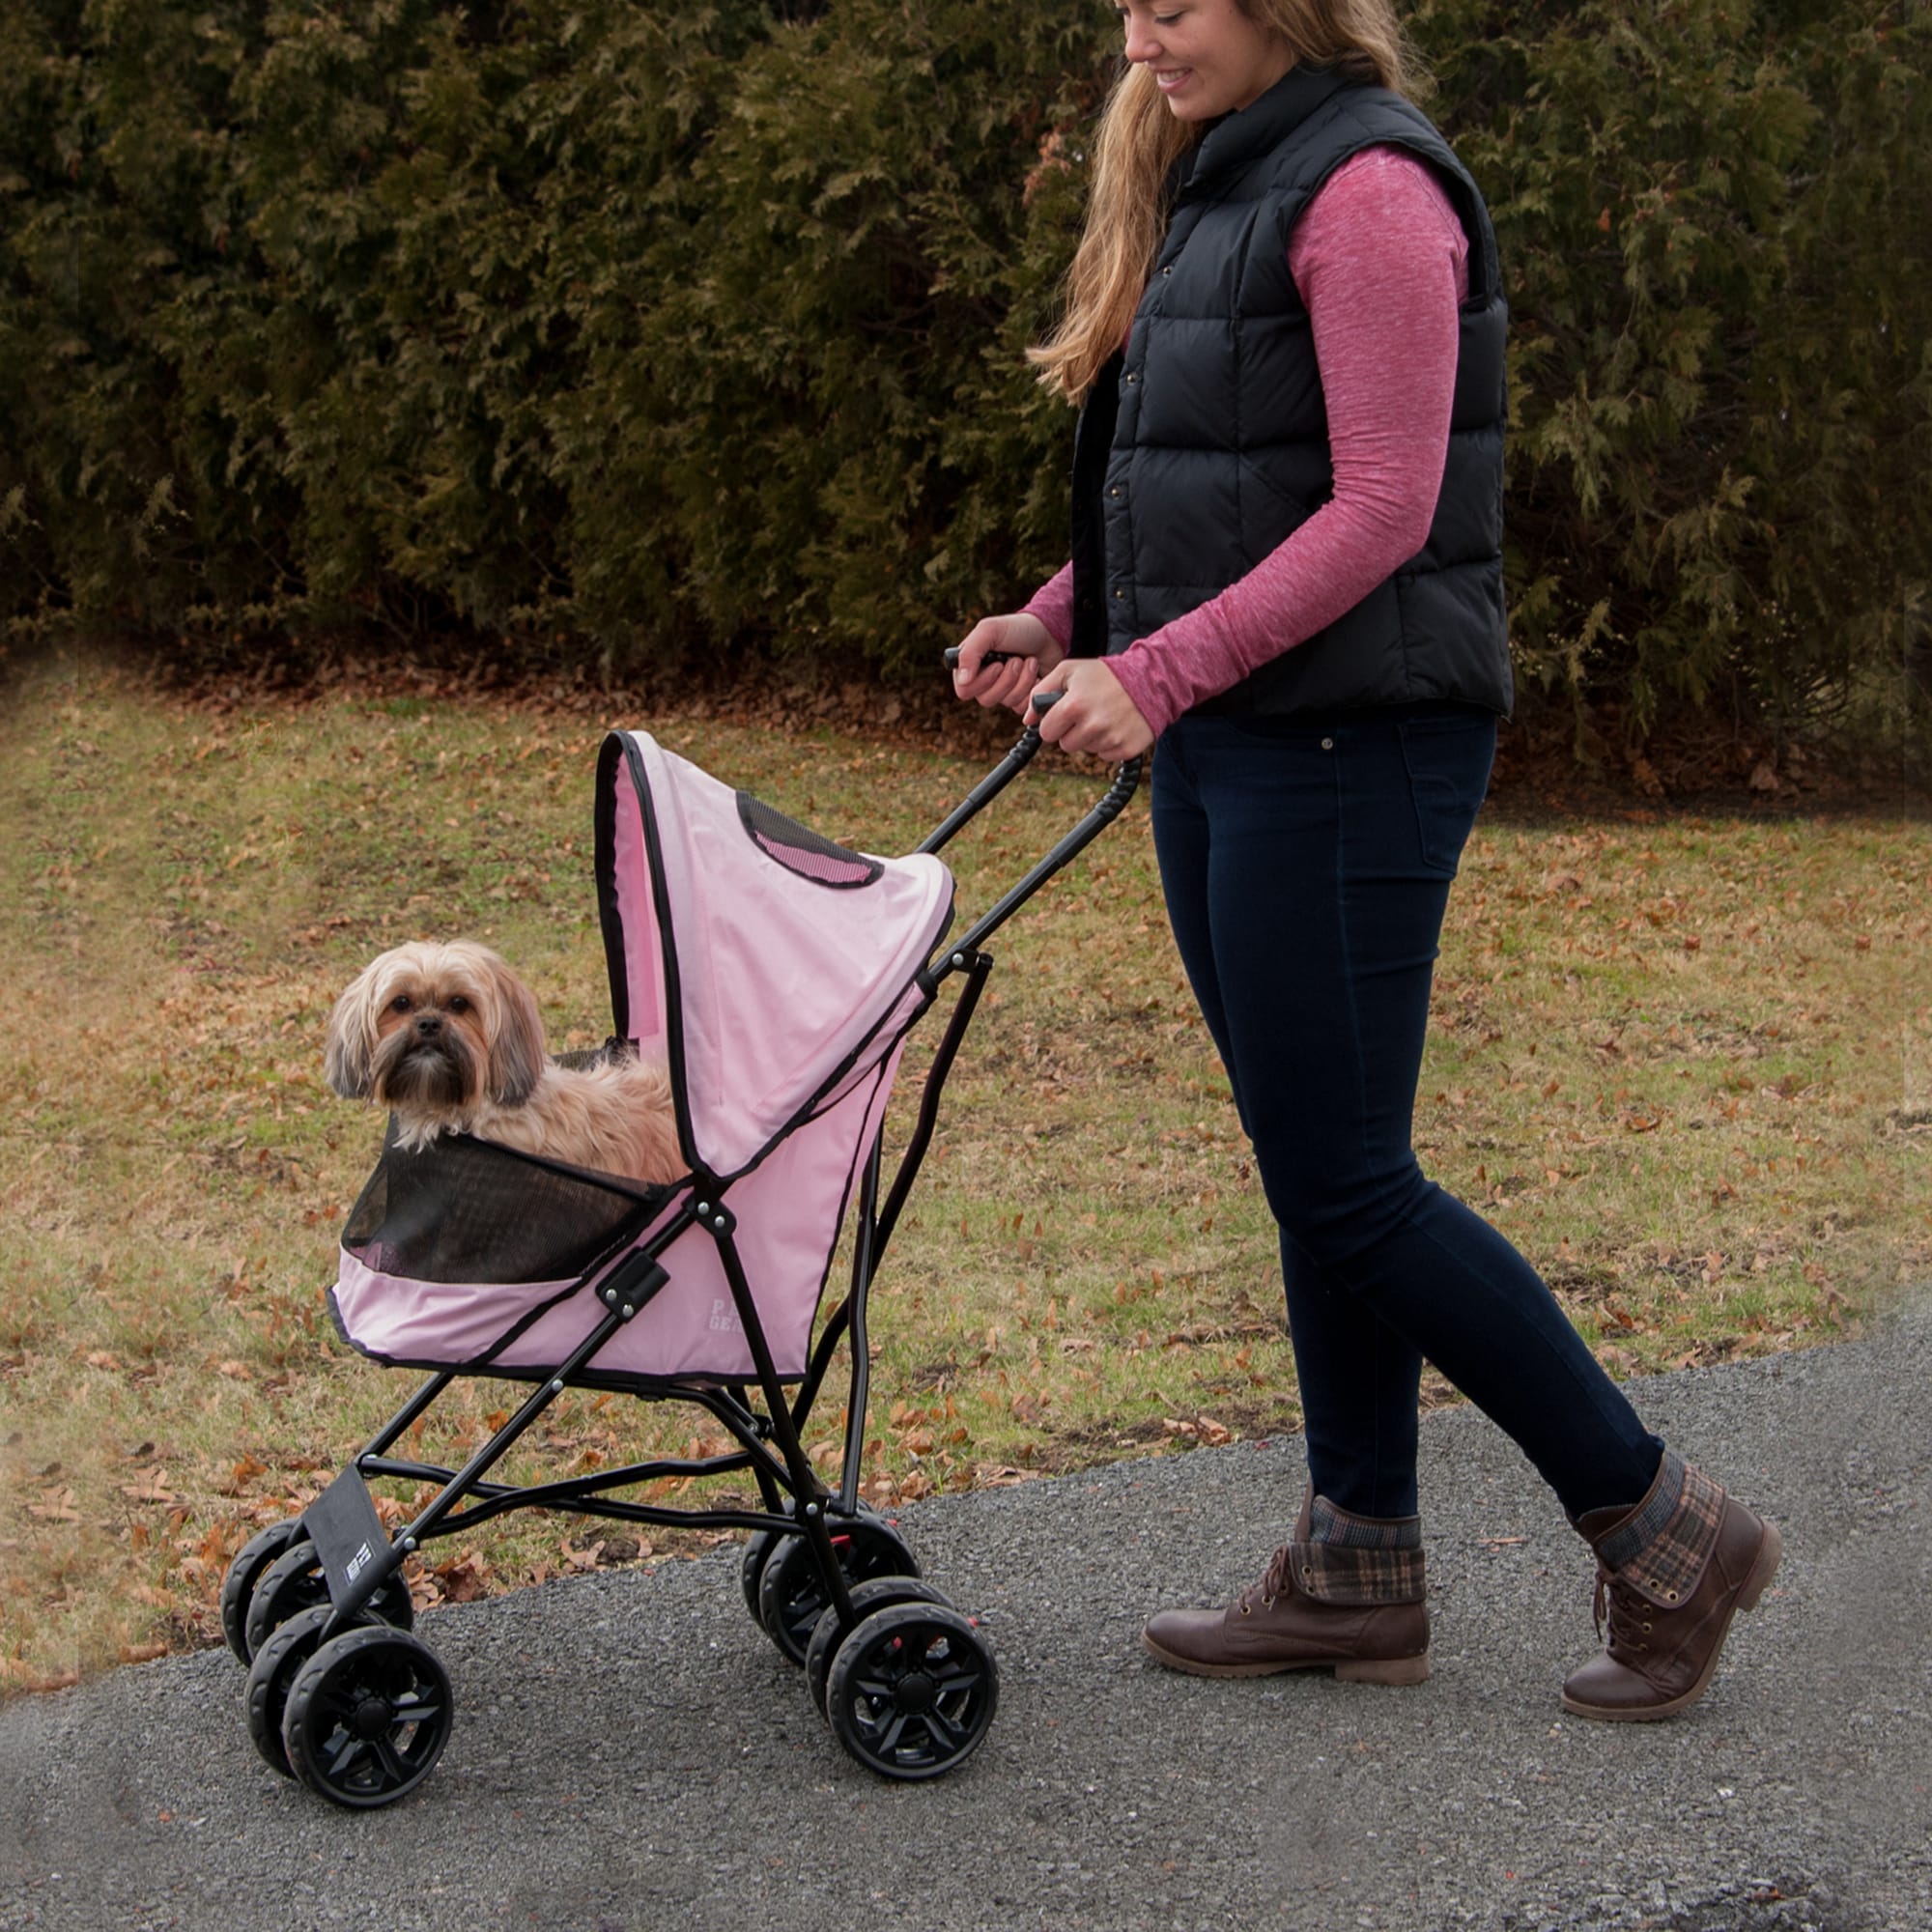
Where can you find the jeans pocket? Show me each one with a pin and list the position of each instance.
(1448, 755)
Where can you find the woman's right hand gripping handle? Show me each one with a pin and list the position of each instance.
(1001, 658)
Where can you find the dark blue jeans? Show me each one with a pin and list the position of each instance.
(1307, 867)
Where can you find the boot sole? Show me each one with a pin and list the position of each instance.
(1347, 1669)
(1764, 1566)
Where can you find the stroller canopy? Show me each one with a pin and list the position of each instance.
(770, 968)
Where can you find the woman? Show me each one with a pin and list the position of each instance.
(1287, 569)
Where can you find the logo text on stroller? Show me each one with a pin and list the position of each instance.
(360, 1561)
(724, 1317)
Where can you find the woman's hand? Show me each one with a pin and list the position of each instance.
(1025, 641)
(1095, 716)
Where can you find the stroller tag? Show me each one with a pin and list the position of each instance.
(348, 1538)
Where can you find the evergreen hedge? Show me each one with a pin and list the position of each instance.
(664, 334)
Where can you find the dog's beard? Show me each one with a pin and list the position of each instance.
(418, 1075)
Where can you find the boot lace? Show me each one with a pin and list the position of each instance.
(1275, 1584)
(1622, 1610)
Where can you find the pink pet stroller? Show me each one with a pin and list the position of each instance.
(778, 976)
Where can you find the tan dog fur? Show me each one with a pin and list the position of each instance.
(449, 1040)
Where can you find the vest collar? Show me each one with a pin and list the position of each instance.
(1236, 139)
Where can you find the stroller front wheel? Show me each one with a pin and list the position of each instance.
(367, 1716)
(912, 1690)
(244, 1572)
(273, 1673)
(294, 1583)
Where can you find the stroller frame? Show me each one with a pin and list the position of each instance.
(343, 1697)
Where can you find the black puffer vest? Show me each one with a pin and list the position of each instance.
(1207, 444)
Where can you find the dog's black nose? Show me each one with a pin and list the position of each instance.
(429, 1025)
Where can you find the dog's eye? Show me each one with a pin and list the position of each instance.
(400, 1003)
(458, 1004)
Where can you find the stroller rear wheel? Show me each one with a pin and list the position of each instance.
(912, 1690)
(791, 1592)
(244, 1572)
(758, 1547)
(367, 1716)
(294, 1581)
(827, 1635)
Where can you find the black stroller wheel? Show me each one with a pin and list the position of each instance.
(244, 1572)
(294, 1583)
(791, 1593)
(827, 1635)
(912, 1690)
(367, 1716)
(272, 1674)
(758, 1547)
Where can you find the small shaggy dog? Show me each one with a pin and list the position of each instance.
(449, 1040)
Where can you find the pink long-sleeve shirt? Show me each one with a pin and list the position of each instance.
(1381, 263)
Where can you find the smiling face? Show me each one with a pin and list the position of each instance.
(1206, 56)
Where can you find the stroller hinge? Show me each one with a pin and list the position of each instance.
(955, 959)
(631, 1284)
(715, 1216)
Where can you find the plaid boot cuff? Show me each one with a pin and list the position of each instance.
(1358, 1560)
(1659, 1549)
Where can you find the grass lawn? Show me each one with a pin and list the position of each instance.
(1686, 1062)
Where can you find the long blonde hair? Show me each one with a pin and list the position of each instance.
(1137, 145)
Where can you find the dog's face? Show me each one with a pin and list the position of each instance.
(433, 1030)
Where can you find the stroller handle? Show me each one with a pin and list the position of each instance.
(1126, 783)
(1042, 702)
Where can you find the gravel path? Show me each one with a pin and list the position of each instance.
(630, 1753)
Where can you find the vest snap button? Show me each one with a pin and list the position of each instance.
(1120, 593)
(1131, 377)
(1327, 744)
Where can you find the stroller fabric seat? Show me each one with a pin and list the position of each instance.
(776, 974)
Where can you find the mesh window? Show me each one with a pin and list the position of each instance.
(468, 1211)
(801, 850)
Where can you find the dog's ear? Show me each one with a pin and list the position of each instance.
(517, 1055)
(349, 1043)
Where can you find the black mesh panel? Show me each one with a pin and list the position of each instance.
(801, 850)
(466, 1211)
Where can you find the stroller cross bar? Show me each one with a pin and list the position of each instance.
(1112, 803)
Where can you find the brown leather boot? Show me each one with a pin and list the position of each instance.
(1673, 1571)
(1344, 1595)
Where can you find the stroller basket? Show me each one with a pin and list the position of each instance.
(777, 976)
